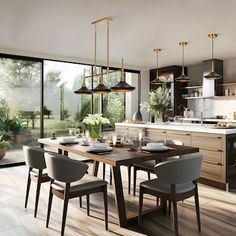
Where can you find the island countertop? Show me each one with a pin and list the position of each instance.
(181, 127)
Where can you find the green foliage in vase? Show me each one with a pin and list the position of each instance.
(158, 100)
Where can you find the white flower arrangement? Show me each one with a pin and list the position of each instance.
(158, 100)
(95, 120)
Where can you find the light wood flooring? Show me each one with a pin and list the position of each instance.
(218, 211)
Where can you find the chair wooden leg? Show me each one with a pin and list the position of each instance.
(149, 175)
(28, 188)
(134, 180)
(164, 206)
(140, 207)
(49, 205)
(37, 193)
(80, 202)
(157, 201)
(105, 207)
(173, 193)
(104, 171)
(197, 208)
(87, 198)
(110, 175)
(129, 177)
(66, 200)
(169, 207)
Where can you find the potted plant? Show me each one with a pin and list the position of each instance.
(157, 102)
(3, 146)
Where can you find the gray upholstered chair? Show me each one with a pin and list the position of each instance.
(69, 180)
(177, 180)
(34, 159)
(148, 166)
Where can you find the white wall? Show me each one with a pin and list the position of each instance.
(213, 107)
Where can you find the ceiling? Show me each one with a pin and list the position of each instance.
(63, 28)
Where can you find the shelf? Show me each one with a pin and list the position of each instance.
(197, 98)
(224, 97)
(227, 84)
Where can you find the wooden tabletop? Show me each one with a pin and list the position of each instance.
(120, 156)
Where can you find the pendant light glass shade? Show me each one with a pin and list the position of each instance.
(212, 75)
(122, 86)
(83, 90)
(101, 88)
(157, 80)
(183, 77)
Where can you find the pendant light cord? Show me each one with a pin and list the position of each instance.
(183, 59)
(95, 50)
(157, 75)
(212, 55)
(107, 47)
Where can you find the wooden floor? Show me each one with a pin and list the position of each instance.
(218, 212)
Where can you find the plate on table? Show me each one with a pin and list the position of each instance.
(69, 143)
(151, 149)
(99, 150)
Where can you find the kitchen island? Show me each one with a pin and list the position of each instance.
(217, 145)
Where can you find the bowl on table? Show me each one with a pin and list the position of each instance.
(69, 139)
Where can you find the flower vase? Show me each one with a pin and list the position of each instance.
(158, 117)
(95, 133)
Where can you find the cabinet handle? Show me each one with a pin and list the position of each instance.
(188, 134)
(219, 137)
(164, 132)
(219, 164)
(219, 151)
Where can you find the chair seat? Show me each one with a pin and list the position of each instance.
(35, 173)
(155, 185)
(86, 183)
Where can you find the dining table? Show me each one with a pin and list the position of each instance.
(119, 156)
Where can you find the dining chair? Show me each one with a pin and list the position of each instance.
(69, 180)
(176, 180)
(34, 159)
(148, 166)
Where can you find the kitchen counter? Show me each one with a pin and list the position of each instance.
(181, 127)
(209, 120)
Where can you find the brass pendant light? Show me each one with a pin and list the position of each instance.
(122, 86)
(101, 88)
(212, 75)
(83, 89)
(183, 77)
(157, 79)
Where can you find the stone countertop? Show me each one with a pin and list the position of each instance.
(181, 127)
(210, 120)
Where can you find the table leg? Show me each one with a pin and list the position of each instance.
(95, 168)
(119, 197)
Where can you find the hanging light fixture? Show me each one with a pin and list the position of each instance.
(212, 75)
(101, 88)
(122, 86)
(183, 77)
(83, 89)
(157, 79)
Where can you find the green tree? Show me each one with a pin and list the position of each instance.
(53, 76)
(19, 73)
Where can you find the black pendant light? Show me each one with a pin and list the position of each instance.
(101, 88)
(183, 77)
(157, 80)
(122, 86)
(83, 90)
(212, 75)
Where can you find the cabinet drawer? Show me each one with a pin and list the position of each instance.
(157, 134)
(212, 171)
(128, 131)
(207, 141)
(214, 157)
(184, 137)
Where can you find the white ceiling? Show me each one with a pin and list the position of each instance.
(63, 28)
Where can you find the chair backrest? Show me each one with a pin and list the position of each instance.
(176, 142)
(63, 169)
(34, 157)
(179, 171)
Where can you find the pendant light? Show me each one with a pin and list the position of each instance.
(157, 79)
(122, 86)
(83, 89)
(212, 75)
(183, 77)
(101, 88)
